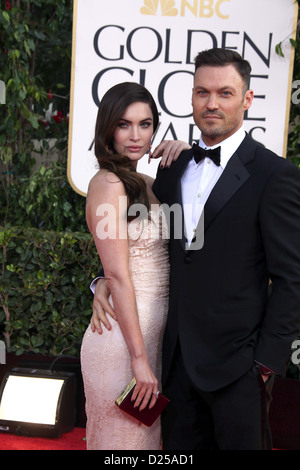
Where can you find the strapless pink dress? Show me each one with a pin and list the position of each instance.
(105, 360)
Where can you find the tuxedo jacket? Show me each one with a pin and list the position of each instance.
(222, 310)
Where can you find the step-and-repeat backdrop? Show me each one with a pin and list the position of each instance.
(154, 42)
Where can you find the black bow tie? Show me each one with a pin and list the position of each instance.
(213, 154)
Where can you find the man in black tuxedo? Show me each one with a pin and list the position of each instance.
(228, 332)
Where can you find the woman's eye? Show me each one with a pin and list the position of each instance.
(122, 125)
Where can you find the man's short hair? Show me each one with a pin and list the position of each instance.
(218, 57)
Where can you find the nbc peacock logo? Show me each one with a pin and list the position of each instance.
(167, 7)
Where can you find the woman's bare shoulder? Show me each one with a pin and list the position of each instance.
(105, 181)
(104, 177)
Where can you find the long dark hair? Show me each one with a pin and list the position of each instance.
(112, 107)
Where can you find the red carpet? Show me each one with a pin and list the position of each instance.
(73, 440)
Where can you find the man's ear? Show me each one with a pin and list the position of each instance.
(248, 98)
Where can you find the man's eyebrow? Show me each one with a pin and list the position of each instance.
(226, 87)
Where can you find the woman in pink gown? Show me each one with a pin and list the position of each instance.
(134, 255)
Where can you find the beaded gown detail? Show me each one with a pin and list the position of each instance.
(105, 359)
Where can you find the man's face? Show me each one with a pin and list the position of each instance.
(219, 102)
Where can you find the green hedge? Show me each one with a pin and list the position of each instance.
(45, 302)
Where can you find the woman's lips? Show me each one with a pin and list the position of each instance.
(134, 149)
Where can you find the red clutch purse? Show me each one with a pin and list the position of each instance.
(146, 416)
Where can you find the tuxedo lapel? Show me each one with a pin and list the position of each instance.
(233, 177)
(181, 164)
(184, 163)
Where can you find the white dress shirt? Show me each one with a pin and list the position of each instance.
(199, 179)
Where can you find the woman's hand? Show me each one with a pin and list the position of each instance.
(169, 150)
(101, 307)
(146, 387)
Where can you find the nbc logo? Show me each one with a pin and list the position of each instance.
(167, 7)
(198, 8)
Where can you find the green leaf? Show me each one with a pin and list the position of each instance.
(278, 49)
(6, 16)
(31, 44)
(11, 268)
(40, 35)
(27, 48)
(16, 54)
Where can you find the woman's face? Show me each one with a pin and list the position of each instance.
(134, 131)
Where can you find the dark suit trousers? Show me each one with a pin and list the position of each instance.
(232, 418)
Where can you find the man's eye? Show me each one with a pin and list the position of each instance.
(202, 92)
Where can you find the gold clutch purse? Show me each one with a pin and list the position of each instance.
(146, 416)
